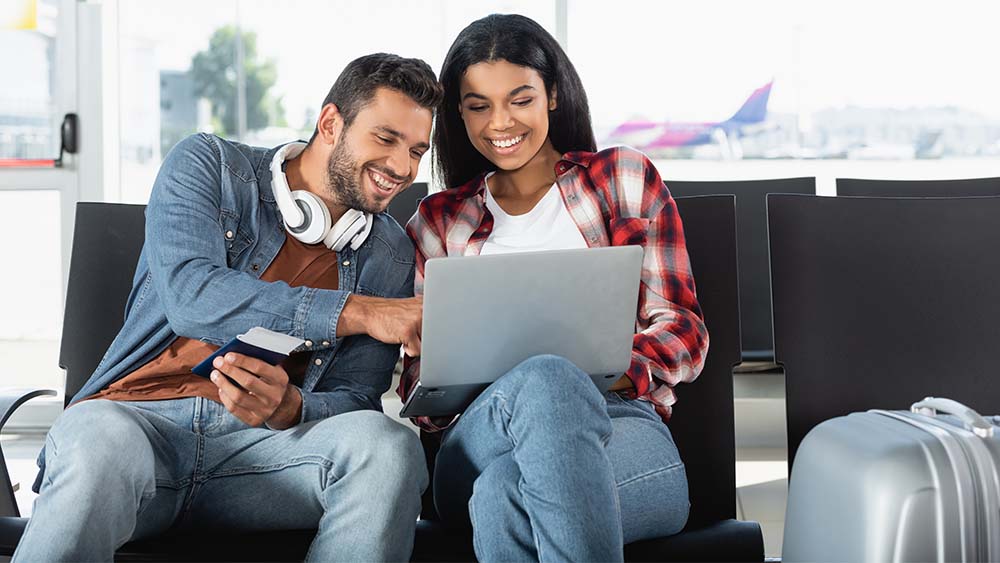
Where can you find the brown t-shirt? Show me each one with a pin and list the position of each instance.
(168, 376)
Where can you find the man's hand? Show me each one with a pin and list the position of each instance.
(266, 395)
(393, 321)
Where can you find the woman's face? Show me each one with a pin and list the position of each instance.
(506, 112)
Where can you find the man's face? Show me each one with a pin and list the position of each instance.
(376, 157)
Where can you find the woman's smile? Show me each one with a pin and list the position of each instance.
(506, 145)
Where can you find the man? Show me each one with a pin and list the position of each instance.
(148, 446)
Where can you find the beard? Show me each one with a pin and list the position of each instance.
(343, 180)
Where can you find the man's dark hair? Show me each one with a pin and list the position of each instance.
(520, 41)
(356, 85)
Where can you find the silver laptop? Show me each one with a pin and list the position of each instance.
(483, 315)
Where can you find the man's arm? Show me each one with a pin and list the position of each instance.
(396, 320)
(204, 298)
(425, 229)
(267, 397)
(393, 321)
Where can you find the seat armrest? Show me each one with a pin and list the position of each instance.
(726, 540)
(10, 399)
(13, 397)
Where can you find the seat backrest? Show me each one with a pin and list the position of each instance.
(880, 302)
(751, 234)
(404, 205)
(107, 240)
(702, 420)
(918, 188)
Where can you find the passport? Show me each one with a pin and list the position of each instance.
(258, 342)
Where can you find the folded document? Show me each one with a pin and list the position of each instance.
(258, 342)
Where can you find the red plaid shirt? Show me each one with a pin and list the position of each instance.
(616, 197)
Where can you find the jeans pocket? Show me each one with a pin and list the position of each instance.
(178, 411)
(613, 398)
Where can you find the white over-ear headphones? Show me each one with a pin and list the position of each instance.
(305, 215)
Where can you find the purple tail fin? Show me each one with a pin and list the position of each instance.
(754, 110)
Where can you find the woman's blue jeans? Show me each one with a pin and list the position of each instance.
(546, 468)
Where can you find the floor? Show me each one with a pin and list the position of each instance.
(761, 470)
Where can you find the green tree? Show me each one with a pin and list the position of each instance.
(214, 73)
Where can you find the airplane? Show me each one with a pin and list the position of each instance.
(659, 137)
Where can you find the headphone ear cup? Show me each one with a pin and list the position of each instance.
(348, 227)
(317, 218)
(359, 239)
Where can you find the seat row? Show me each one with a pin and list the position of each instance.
(106, 243)
(751, 211)
(877, 302)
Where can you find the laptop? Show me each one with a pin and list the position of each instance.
(483, 315)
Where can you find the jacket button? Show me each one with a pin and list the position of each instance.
(318, 362)
(255, 267)
(229, 235)
(326, 343)
(309, 343)
(347, 263)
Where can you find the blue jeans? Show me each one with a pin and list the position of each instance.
(543, 467)
(119, 471)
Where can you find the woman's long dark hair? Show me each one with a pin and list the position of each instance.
(520, 41)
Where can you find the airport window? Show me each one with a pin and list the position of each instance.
(780, 79)
(38, 88)
(32, 300)
(176, 83)
(28, 108)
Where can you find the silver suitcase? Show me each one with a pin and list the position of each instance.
(897, 486)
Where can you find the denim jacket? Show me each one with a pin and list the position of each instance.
(212, 228)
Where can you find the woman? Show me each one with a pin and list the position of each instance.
(548, 468)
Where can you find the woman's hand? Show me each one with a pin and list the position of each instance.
(623, 383)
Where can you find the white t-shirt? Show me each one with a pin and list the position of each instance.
(548, 226)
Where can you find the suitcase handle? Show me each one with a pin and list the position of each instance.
(973, 420)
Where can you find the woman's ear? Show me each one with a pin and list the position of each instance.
(552, 99)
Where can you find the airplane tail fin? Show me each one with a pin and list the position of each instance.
(754, 110)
